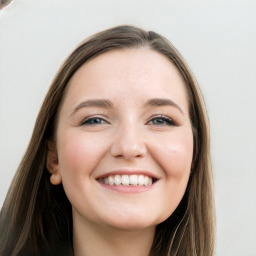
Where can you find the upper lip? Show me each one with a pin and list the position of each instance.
(127, 172)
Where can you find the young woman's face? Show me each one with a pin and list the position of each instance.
(123, 125)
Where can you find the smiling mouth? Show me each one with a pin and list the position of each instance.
(127, 180)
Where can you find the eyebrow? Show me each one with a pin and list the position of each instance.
(163, 102)
(101, 103)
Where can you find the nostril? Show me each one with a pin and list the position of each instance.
(128, 149)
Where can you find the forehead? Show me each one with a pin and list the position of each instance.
(128, 72)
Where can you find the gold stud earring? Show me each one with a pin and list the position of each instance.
(55, 179)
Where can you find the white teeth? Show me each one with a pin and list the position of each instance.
(133, 179)
(146, 179)
(111, 180)
(141, 180)
(126, 180)
(118, 180)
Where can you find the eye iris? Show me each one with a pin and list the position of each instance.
(93, 121)
(158, 121)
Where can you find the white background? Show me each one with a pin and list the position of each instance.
(217, 38)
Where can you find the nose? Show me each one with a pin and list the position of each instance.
(129, 144)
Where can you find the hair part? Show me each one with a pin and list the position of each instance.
(36, 215)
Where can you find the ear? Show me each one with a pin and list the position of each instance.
(52, 163)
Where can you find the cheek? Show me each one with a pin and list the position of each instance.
(176, 154)
(78, 154)
(174, 157)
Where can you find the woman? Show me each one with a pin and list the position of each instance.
(118, 163)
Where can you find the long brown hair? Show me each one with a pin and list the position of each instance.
(36, 215)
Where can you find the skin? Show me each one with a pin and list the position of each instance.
(131, 135)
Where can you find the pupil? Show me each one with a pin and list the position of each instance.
(95, 121)
(159, 121)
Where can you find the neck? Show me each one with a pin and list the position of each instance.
(90, 239)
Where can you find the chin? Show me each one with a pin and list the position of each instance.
(132, 223)
(132, 227)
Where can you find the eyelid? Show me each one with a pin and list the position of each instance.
(102, 117)
(169, 121)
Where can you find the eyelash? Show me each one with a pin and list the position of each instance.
(164, 121)
(93, 118)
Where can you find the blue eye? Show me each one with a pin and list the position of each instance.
(93, 121)
(161, 121)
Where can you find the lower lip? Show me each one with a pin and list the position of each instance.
(127, 189)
